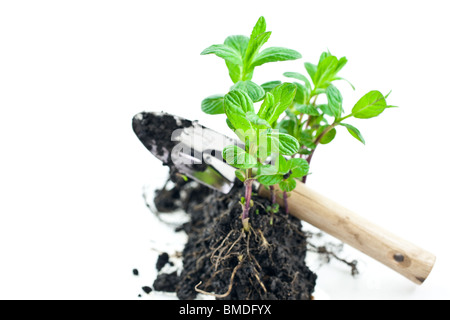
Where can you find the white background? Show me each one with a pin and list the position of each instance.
(73, 73)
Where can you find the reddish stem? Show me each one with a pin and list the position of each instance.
(273, 194)
(285, 198)
(309, 158)
(248, 199)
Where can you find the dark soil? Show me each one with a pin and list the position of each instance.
(147, 289)
(155, 132)
(266, 263)
(163, 259)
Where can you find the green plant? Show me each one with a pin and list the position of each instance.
(313, 124)
(281, 138)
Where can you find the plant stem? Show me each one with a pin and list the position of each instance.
(273, 195)
(346, 117)
(316, 142)
(330, 127)
(248, 199)
(315, 100)
(285, 198)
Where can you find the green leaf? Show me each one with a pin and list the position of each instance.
(239, 158)
(389, 93)
(307, 109)
(230, 125)
(269, 86)
(260, 27)
(270, 180)
(354, 132)
(288, 185)
(312, 70)
(298, 163)
(282, 165)
(299, 167)
(326, 109)
(235, 71)
(274, 54)
(255, 92)
(298, 76)
(257, 121)
(213, 104)
(299, 173)
(254, 47)
(334, 100)
(370, 105)
(240, 44)
(237, 103)
(239, 99)
(341, 63)
(271, 142)
(240, 175)
(288, 144)
(269, 99)
(307, 139)
(283, 98)
(287, 126)
(328, 137)
(267, 170)
(225, 52)
(302, 94)
(258, 38)
(326, 71)
(324, 55)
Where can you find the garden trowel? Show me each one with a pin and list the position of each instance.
(196, 152)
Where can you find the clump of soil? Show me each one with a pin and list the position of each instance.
(163, 259)
(221, 259)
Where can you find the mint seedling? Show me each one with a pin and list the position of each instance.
(281, 138)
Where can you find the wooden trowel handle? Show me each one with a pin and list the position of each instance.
(402, 256)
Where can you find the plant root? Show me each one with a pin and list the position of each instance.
(230, 287)
(328, 254)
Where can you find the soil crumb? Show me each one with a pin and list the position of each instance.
(166, 282)
(147, 290)
(163, 259)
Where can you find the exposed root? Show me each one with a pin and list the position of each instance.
(265, 243)
(215, 260)
(230, 287)
(220, 247)
(328, 254)
(259, 280)
(237, 240)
